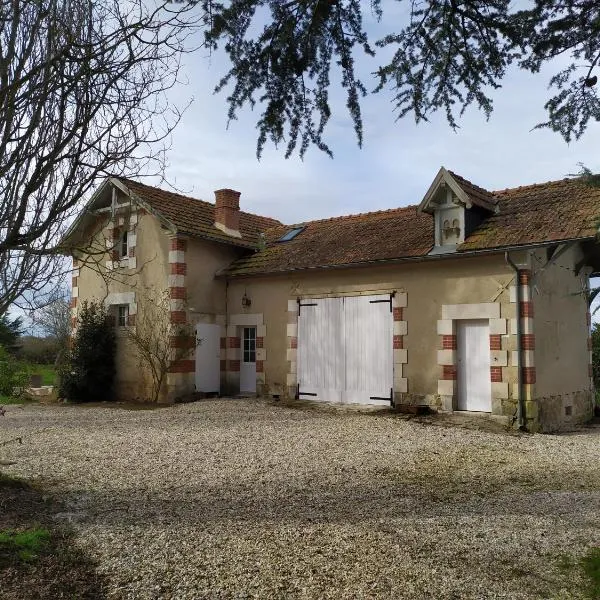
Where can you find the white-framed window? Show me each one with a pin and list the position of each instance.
(123, 248)
(122, 315)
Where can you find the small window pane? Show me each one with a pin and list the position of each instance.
(123, 313)
(123, 250)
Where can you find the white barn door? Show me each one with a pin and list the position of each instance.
(320, 350)
(345, 349)
(208, 372)
(474, 384)
(369, 342)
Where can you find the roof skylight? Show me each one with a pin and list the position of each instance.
(291, 234)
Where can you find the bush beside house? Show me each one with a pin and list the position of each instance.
(89, 371)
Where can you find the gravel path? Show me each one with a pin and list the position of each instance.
(245, 499)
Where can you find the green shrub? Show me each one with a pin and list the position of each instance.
(14, 375)
(89, 371)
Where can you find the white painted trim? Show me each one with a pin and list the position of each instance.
(400, 356)
(445, 327)
(498, 358)
(176, 280)
(176, 304)
(132, 262)
(291, 330)
(446, 387)
(74, 292)
(291, 354)
(526, 325)
(400, 300)
(484, 310)
(400, 385)
(446, 357)
(176, 256)
(120, 298)
(498, 326)
(400, 327)
(261, 331)
(246, 319)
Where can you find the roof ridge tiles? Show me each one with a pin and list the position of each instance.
(185, 197)
(536, 185)
(357, 215)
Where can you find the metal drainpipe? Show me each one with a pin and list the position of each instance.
(520, 411)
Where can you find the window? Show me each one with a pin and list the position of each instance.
(122, 315)
(249, 344)
(291, 234)
(123, 249)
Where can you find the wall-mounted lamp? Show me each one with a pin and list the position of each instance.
(246, 302)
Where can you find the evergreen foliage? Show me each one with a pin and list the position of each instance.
(447, 56)
(89, 372)
(10, 332)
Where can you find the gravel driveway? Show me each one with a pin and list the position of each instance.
(246, 499)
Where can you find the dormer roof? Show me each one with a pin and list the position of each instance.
(466, 192)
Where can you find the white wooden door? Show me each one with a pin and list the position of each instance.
(474, 384)
(320, 349)
(208, 371)
(369, 342)
(248, 362)
(345, 349)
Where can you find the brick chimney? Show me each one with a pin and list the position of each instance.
(227, 212)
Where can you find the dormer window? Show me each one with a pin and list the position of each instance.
(458, 207)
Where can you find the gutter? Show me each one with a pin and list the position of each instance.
(521, 387)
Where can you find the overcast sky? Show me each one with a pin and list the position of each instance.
(396, 164)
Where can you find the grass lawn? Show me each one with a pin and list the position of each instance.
(48, 373)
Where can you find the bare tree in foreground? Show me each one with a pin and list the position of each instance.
(82, 95)
(153, 336)
(54, 319)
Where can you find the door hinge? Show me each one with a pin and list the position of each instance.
(387, 300)
(390, 399)
(300, 304)
(298, 393)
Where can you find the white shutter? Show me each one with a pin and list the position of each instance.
(368, 324)
(320, 349)
(208, 367)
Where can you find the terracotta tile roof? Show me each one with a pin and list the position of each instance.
(344, 240)
(196, 217)
(557, 210)
(477, 195)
